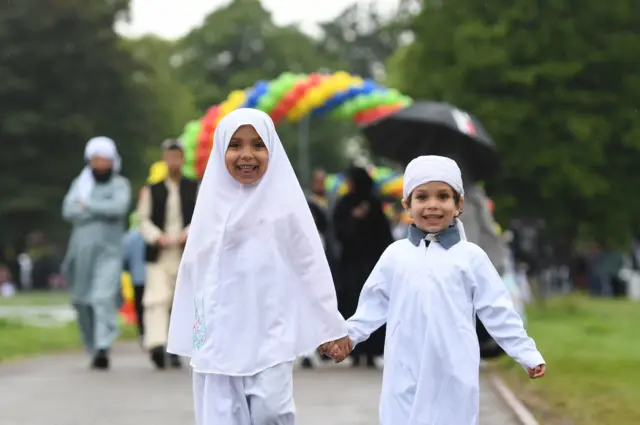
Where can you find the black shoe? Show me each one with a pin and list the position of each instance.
(371, 362)
(100, 360)
(355, 361)
(306, 363)
(175, 362)
(158, 357)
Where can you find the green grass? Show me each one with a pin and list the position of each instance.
(592, 349)
(19, 341)
(36, 299)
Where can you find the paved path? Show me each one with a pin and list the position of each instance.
(59, 390)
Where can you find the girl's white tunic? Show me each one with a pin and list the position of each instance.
(429, 295)
(254, 287)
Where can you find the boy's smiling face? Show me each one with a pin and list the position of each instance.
(433, 206)
(247, 157)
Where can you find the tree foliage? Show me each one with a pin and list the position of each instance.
(557, 84)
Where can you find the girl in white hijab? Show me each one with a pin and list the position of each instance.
(427, 289)
(254, 289)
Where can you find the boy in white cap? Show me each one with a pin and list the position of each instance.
(427, 289)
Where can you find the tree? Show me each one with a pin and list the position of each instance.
(64, 78)
(238, 45)
(362, 39)
(172, 102)
(557, 84)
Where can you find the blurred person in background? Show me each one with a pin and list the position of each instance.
(363, 231)
(7, 288)
(319, 206)
(165, 210)
(96, 205)
(134, 263)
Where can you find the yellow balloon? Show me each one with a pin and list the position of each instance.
(315, 97)
(157, 172)
(236, 99)
(127, 286)
(342, 75)
(296, 112)
(340, 81)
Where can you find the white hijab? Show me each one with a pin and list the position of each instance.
(102, 147)
(433, 168)
(224, 203)
(226, 208)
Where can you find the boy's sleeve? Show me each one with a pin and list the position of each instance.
(495, 309)
(373, 305)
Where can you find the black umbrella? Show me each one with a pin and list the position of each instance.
(434, 128)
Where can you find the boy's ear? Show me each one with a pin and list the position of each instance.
(406, 207)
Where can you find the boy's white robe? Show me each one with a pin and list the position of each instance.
(428, 296)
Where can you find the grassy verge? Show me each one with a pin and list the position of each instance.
(19, 341)
(36, 299)
(592, 348)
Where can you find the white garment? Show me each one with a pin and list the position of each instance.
(254, 287)
(7, 289)
(431, 168)
(101, 147)
(428, 296)
(263, 399)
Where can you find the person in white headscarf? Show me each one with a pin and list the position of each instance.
(97, 205)
(254, 289)
(427, 289)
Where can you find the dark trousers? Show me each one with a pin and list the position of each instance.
(138, 294)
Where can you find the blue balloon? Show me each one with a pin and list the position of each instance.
(260, 88)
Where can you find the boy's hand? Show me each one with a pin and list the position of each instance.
(338, 350)
(341, 349)
(537, 372)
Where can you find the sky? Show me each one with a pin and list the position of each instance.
(174, 18)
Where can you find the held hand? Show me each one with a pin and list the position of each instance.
(182, 238)
(164, 241)
(537, 372)
(340, 349)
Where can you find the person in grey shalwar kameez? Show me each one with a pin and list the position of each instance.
(97, 205)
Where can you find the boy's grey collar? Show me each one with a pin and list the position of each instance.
(446, 238)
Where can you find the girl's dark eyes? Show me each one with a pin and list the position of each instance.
(444, 196)
(257, 145)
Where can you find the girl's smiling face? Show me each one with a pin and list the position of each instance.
(247, 156)
(433, 206)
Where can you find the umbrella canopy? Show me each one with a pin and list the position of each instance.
(434, 128)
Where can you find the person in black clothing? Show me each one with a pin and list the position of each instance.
(364, 233)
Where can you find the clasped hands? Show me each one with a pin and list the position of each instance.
(338, 350)
(166, 241)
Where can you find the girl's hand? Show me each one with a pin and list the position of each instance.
(537, 372)
(341, 349)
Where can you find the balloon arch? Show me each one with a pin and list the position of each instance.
(292, 97)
